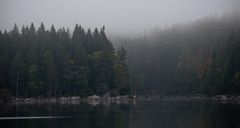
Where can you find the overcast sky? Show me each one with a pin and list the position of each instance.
(119, 16)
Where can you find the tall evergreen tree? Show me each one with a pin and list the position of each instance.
(121, 71)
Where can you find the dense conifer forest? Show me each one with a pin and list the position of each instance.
(52, 63)
(197, 58)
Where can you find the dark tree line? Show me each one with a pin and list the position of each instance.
(41, 62)
(202, 57)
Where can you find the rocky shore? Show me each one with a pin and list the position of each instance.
(227, 98)
(73, 99)
(94, 99)
(217, 98)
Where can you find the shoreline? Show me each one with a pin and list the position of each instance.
(120, 99)
(69, 99)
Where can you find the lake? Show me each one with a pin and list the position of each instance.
(137, 114)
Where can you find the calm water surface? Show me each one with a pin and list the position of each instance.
(139, 114)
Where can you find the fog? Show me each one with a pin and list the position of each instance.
(122, 17)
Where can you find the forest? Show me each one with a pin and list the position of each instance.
(201, 57)
(51, 63)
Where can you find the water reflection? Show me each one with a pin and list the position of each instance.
(142, 114)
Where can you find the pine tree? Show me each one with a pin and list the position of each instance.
(50, 73)
(35, 83)
(17, 74)
(121, 71)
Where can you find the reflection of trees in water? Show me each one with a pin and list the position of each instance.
(5, 109)
(183, 114)
(85, 114)
(141, 114)
(107, 115)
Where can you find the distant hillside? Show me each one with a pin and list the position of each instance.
(202, 57)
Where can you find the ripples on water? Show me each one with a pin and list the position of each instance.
(139, 114)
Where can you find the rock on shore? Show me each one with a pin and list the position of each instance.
(94, 97)
(230, 98)
(220, 97)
